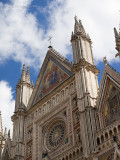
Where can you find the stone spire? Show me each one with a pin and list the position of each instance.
(1, 130)
(117, 39)
(81, 43)
(78, 28)
(86, 83)
(28, 76)
(23, 73)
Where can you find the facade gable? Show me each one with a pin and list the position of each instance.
(108, 102)
(54, 71)
(53, 76)
(111, 109)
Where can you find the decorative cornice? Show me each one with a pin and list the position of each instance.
(76, 37)
(83, 63)
(18, 113)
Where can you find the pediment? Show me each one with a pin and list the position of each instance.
(108, 103)
(54, 72)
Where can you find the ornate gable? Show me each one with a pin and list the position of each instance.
(111, 110)
(55, 70)
(108, 102)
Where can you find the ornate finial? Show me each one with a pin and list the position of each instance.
(75, 18)
(105, 60)
(28, 69)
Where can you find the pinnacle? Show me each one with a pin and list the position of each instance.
(5, 133)
(117, 39)
(23, 73)
(105, 60)
(75, 18)
(25, 76)
(28, 75)
(78, 28)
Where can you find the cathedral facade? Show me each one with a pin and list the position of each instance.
(66, 115)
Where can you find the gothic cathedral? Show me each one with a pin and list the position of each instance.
(66, 115)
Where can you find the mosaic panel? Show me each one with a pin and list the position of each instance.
(52, 77)
(112, 107)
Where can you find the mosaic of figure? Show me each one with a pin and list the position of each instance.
(112, 108)
(53, 76)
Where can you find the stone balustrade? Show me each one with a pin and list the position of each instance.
(75, 153)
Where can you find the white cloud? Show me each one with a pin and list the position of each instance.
(22, 38)
(6, 104)
(98, 17)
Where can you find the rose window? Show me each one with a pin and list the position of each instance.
(55, 134)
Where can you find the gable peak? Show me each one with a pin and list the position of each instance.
(53, 52)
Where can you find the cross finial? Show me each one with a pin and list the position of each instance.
(50, 40)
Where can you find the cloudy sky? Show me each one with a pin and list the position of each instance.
(26, 25)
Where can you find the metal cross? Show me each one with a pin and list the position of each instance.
(50, 40)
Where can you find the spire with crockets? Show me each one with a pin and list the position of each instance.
(25, 76)
(78, 28)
